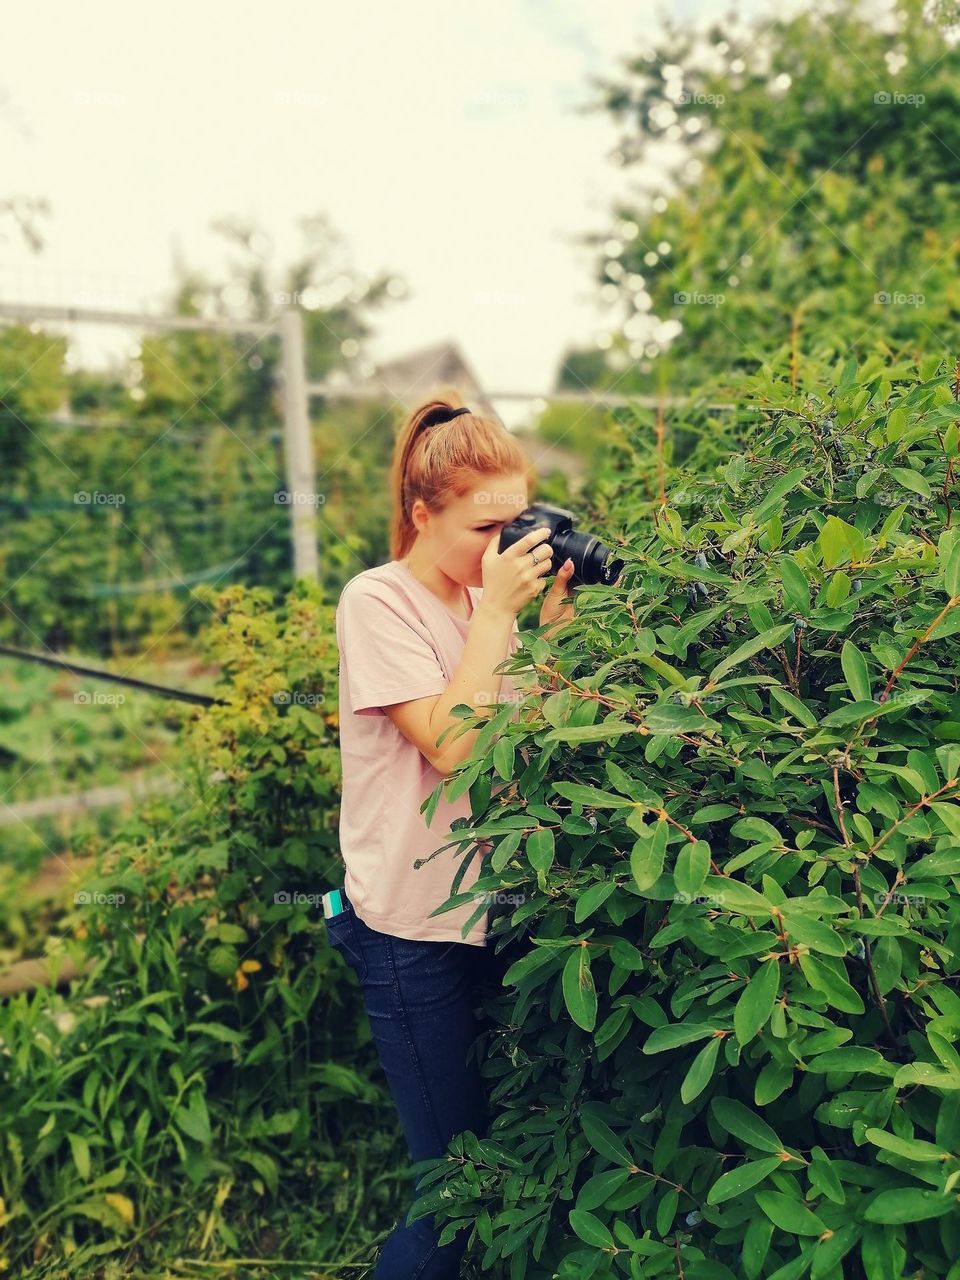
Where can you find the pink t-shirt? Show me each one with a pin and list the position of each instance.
(397, 642)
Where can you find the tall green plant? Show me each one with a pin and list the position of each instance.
(732, 822)
(217, 1043)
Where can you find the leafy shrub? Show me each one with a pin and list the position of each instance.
(733, 827)
(218, 1039)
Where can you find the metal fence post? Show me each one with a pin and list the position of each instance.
(298, 447)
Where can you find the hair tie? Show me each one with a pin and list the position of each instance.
(435, 418)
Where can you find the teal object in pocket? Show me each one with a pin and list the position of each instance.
(333, 904)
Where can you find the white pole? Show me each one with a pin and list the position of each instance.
(301, 493)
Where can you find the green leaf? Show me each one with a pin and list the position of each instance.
(848, 376)
(265, 1165)
(797, 709)
(592, 898)
(773, 1078)
(896, 423)
(461, 781)
(669, 718)
(647, 857)
(854, 666)
(231, 933)
(757, 830)
(789, 1214)
(734, 895)
(598, 1189)
(667, 1211)
(742, 1178)
(625, 954)
(815, 933)
(768, 640)
(602, 1138)
(853, 1057)
(882, 1256)
(592, 797)
(949, 814)
(629, 785)
(193, 1119)
(670, 674)
(824, 1176)
(744, 1124)
(908, 1204)
(505, 849)
(912, 480)
(838, 992)
(778, 490)
(925, 1073)
(589, 732)
(81, 1154)
(859, 712)
(701, 1071)
(699, 622)
(828, 1253)
(838, 589)
(677, 1034)
(504, 754)
(541, 848)
(944, 863)
(223, 961)
(909, 1148)
(217, 1031)
(756, 1001)
(948, 549)
(840, 541)
(796, 588)
(948, 625)
(579, 991)
(692, 865)
(927, 769)
(590, 1229)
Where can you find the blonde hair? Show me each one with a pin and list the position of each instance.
(436, 460)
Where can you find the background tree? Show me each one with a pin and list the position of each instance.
(801, 178)
(192, 442)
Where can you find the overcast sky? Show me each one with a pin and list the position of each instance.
(440, 139)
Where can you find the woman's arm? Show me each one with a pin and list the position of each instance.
(423, 720)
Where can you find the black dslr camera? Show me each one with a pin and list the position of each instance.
(590, 556)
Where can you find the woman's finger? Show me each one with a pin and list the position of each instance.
(523, 545)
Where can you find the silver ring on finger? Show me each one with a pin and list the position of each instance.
(536, 558)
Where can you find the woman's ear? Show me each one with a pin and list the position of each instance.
(418, 512)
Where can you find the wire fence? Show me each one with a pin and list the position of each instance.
(192, 514)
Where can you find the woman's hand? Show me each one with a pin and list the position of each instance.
(553, 610)
(513, 577)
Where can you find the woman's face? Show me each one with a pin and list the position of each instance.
(455, 539)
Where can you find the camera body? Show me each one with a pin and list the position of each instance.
(592, 559)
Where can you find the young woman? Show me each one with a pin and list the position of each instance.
(417, 636)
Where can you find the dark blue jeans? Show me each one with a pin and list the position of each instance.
(420, 998)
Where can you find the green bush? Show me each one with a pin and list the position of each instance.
(218, 1046)
(732, 824)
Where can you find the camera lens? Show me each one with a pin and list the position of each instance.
(600, 564)
(591, 558)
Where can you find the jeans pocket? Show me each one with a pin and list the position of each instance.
(344, 936)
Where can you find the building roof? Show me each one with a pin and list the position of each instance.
(436, 370)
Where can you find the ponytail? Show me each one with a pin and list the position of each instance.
(438, 457)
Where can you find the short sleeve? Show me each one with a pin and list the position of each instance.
(386, 659)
